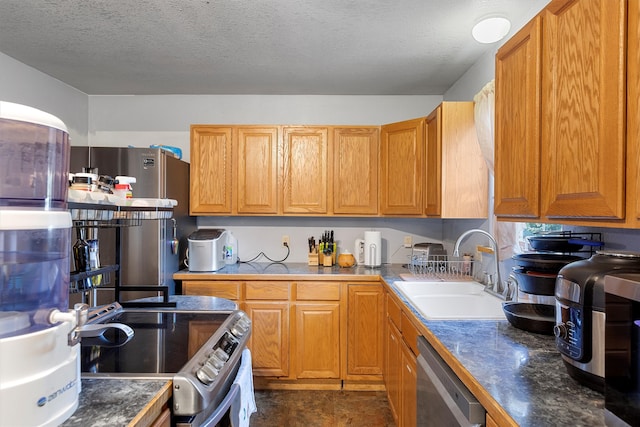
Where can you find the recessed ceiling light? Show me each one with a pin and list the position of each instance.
(491, 30)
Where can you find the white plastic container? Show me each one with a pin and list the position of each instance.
(231, 249)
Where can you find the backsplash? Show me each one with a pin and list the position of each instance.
(264, 234)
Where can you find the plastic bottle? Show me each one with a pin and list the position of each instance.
(231, 249)
(123, 186)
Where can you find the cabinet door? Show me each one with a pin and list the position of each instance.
(317, 340)
(401, 167)
(392, 368)
(365, 330)
(583, 104)
(633, 112)
(355, 170)
(433, 183)
(305, 174)
(269, 341)
(517, 130)
(456, 178)
(211, 163)
(257, 179)
(409, 381)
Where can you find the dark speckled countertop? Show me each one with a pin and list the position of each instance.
(522, 371)
(116, 402)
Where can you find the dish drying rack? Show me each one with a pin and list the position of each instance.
(440, 267)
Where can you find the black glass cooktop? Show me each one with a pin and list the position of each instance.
(162, 343)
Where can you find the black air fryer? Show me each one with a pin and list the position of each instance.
(580, 312)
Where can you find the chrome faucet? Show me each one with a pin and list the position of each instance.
(456, 252)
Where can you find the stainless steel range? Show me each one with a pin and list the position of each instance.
(200, 351)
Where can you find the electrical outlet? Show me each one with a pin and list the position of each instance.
(407, 241)
(285, 240)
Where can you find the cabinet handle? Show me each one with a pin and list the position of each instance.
(409, 368)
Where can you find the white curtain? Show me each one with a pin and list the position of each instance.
(484, 115)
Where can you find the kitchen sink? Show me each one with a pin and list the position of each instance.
(452, 300)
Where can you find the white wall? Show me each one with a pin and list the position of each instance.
(22, 84)
(265, 234)
(165, 119)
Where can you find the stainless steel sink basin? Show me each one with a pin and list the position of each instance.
(452, 300)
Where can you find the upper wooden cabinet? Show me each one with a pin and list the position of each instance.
(305, 171)
(633, 114)
(342, 170)
(517, 133)
(211, 165)
(257, 170)
(456, 179)
(234, 169)
(583, 109)
(401, 167)
(355, 170)
(581, 102)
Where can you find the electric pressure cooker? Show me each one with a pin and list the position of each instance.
(580, 312)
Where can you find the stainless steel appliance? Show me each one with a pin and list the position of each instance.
(443, 400)
(146, 253)
(206, 251)
(580, 313)
(622, 350)
(39, 349)
(200, 351)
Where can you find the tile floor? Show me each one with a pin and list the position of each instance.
(296, 408)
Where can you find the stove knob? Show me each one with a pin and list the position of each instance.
(560, 331)
(239, 330)
(220, 354)
(206, 374)
(215, 362)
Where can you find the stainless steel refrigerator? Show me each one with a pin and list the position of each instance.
(145, 253)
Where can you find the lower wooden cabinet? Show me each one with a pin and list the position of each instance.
(269, 341)
(365, 331)
(392, 374)
(409, 387)
(317, 340)
(220, 289)
(400, 367)
(309, 333)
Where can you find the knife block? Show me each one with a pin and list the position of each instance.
(314, 259)
(326, 260)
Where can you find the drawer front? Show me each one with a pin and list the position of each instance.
(410, 334)
(393, 312)
(318, 291)
(267, 290)
(228, 290)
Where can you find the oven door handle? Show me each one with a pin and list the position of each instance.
(230, 403)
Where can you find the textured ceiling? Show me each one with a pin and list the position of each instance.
(346, 47)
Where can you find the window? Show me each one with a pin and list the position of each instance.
(524, 229)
